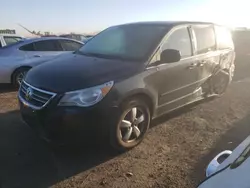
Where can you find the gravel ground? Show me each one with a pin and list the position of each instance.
(174, 154)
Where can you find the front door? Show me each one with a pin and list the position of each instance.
(177, 80)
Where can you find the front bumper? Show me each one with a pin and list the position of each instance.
(57, 122)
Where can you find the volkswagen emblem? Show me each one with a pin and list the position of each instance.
(28, 94)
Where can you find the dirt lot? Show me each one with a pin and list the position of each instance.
(174, 153)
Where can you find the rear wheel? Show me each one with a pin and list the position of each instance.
(132, 124)
(18, 76)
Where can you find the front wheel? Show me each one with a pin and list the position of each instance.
(132, 124)
(18, 76)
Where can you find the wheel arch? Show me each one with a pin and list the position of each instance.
(17, 69)
(144, 95)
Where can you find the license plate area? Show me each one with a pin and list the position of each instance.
(26, 109)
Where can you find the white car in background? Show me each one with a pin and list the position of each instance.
(7, 39)
(233, 172)
(17, 58)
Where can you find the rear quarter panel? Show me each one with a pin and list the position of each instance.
(9, 64)
(227, 59)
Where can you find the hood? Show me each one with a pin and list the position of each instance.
(71, 72)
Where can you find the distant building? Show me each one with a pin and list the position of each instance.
(7, 31)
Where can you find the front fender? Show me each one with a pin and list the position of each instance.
(136, 86)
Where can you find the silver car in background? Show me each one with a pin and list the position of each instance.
(16, 59)
(7, 39)
(233, 171)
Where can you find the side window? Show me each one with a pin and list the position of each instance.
(68, 45)
(47, 45)
(224, 38)
(179, 40)
(27, 47)
(205, 38)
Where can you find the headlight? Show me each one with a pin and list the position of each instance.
(86, 97)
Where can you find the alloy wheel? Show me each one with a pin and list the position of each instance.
(20, 77)
(132, 125)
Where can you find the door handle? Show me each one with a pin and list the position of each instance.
(37, 56)
(201, 63)
(193, 65)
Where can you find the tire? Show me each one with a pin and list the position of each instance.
(18, 75)
(126, 124)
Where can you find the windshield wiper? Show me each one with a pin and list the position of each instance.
(99, 55)
(105, 56)
(87, 54)
(243, 156)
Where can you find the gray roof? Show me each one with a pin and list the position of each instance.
(30, 40)
(168, 23)
(46, 38)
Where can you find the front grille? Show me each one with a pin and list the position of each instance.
(34, 97)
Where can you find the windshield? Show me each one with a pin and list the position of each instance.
(133, 42)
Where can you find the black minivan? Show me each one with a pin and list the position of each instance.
(125, 76)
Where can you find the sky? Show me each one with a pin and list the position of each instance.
(81, 16)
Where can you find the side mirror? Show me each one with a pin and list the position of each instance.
(170, 56)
